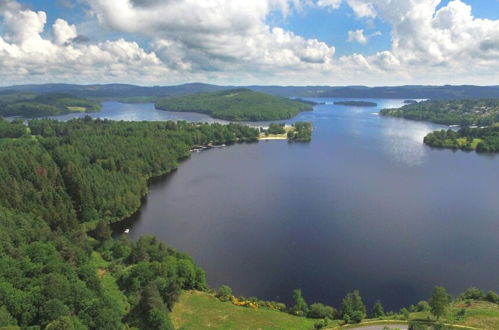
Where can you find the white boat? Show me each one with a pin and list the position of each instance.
(127, 231)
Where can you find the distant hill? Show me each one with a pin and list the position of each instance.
(236, 105)
(357, 103)
(125, 92)
(53, 104)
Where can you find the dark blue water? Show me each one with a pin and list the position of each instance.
(364, 206)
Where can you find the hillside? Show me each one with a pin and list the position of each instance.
(199, 310)
(236, 105)
(31, 105)
(480, 112)
(125, 91)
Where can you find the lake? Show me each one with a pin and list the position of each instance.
(365, 206)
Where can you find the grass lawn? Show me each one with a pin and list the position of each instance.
(283, 136)
(197, 310)
(463, 142)
(77, 109)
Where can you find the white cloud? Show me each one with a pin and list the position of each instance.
(221, 35)
(357, 36)
(334, 4)
(25, 56)
(231, 41)
(63, 32)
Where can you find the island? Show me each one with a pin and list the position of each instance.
(410, 101)
(479, 112)
(357, 103)
(239, 104)
(41, 105)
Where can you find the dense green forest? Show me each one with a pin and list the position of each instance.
(357, 103)
(63, 177)
(236, 105)
(480, 112)
(479, 139)
(32, 105)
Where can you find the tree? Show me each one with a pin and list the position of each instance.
(405, 313)
(439, 301)
(320, 311)
(353, 303)
(102, 232)
(378, 310)
(300, 307)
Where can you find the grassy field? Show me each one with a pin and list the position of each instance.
(283, 136)
(463, 141)
(77, 109)
(197, 310)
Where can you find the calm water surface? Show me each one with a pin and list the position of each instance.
(364, 206)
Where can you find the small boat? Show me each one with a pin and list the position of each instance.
(127, 231)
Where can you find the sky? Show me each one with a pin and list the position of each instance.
(245, 42)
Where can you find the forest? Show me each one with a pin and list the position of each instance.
(51, 104)
(467, 112)
(64, 178)
(236, 105)
(479, 139)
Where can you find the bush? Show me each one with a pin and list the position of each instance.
(417, 326)
(423, 306)
(320, 311)
(492, 297)
(224, 293)
(357, 317)
(472, 293)
(321, 324)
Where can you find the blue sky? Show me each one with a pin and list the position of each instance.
(259, 41)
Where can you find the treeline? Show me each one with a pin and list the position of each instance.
(105, 164)
(53, 275)
(29, 105)
(353, 310)
(357, 103)
(480, 112)
(479, 139)
(236, 105)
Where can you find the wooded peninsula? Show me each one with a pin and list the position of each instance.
(236, 105)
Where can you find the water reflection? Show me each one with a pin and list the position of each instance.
(403, 140)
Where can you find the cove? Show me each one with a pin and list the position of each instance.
(365, 206)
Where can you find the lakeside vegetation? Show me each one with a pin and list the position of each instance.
(236, 105)
(468, 139)
(357, 103)
(480, 112)
(472, 309)
(32, 105)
